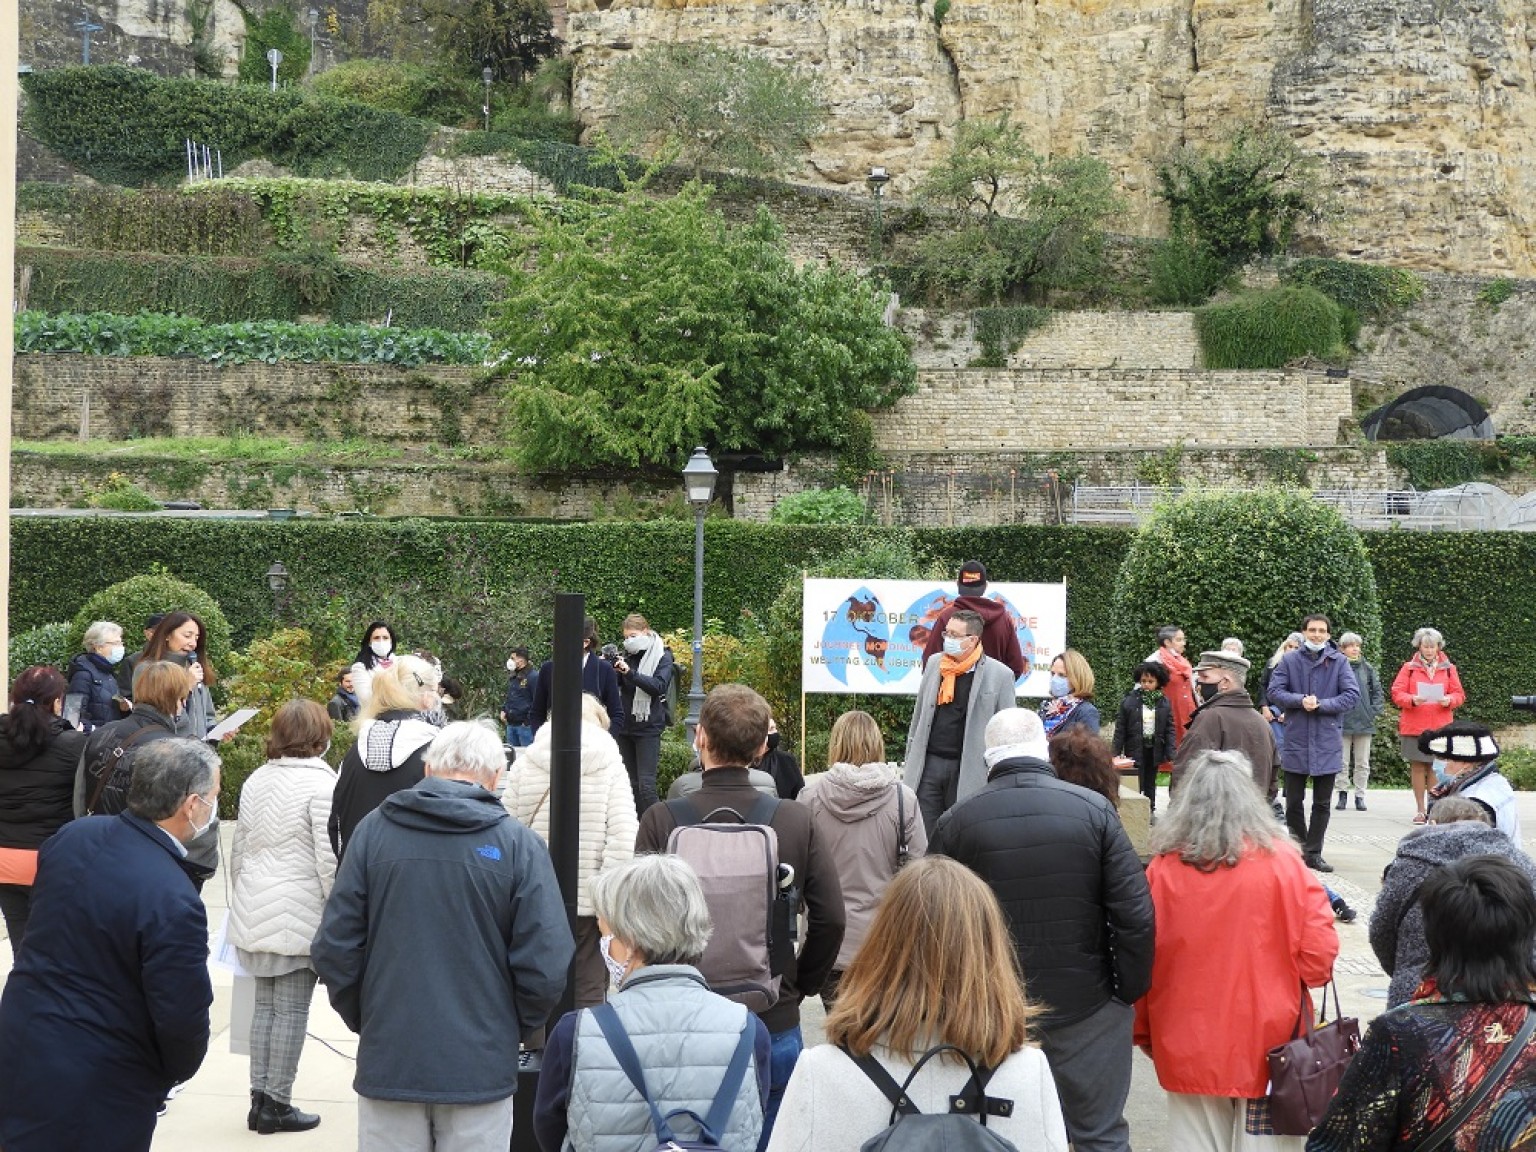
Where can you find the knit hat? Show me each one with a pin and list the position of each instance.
(1224, 662)
(1463, 740)
(972, 578)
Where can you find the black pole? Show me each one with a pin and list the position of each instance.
(564, 822)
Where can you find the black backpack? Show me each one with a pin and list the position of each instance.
(953, 1131)
(106, 766)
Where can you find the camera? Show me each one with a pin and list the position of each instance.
(610, 653)
(1523, 703)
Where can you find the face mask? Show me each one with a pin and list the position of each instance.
(616, 971)
(954, 647)
(199, 829)
(1208, 692)
(773, 741)
(511, 665)
(381, 648)
(1060, 687)
(1442, 777)
(1314, 645)
(635, 645)
(326, 750)
(115, 653)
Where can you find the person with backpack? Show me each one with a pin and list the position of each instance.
(732, 733)
(937, 969)
(655, 925)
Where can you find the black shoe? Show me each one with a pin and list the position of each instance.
(275, 1117)
(1359, 803)
(257, 1100)
(1343, 799)
(1343, 911)
(1318, 864)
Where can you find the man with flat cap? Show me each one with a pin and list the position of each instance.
(999, 637)
(1227, 721)
(1466, 764)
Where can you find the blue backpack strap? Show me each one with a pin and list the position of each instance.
(725, 1099)
(624, 1052)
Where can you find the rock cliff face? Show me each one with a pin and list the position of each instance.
(1424, 111)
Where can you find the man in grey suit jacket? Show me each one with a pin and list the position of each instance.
(945, 741)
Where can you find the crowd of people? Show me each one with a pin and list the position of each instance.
(989, 945)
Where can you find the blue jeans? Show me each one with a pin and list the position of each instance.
(784, 1050)
(519, 735)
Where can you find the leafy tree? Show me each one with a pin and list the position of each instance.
(1055, 238)
(1248, 564)
(719, 107)
(636, 327)
(275, 27)
(1243, 202)
(510, 37)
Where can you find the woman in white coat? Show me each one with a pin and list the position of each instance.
(608, 826)
(283, 869)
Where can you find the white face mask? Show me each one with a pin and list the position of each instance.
(381, 648)
(1314, 645)
(634, 645)
(511, 665)
(115, 654)
(1442, 776)
(213, 811)
(616, 971)
(954, 647)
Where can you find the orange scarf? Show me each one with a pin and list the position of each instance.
(949, 668)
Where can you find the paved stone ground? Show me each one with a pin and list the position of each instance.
(210, 1112)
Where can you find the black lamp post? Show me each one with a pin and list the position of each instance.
(699, 481)
(877, 179)
(277, 581)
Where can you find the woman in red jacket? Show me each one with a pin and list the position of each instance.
(1428, 691)
(1242, 924)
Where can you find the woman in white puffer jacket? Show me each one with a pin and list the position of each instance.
(283, 870)
(608, 826)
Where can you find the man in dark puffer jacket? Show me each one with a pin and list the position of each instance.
(1080, 912)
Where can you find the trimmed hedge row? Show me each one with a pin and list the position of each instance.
(1472, 586)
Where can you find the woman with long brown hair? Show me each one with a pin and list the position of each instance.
(938, 967)
(181, 638)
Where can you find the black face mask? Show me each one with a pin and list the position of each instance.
(773, 741)
(1208, 692)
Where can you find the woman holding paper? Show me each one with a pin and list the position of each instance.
(1428, 691)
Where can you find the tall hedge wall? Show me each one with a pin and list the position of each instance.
(1475, 588)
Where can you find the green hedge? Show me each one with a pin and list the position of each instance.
(153, 334)
(125, 125)
(1474, 587)
(225, 291)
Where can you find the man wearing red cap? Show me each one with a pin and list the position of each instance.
(999, 637)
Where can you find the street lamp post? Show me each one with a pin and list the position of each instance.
(277, 581)
(877, 179)
(487, 75)
(314, 25)
(699, 481)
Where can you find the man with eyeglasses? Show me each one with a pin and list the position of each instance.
(107, 1005)
(959, 693)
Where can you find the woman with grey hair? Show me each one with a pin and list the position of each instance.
(92, 677)
(655, 926)
(1359, 721)
(1242, 925)
(1428, 690)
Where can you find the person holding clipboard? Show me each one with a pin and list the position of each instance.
(1428, 691)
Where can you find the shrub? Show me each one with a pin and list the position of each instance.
(1370, 291)
(130, 602)
(820, 506)
(1248, 564)
(396, 86)
(119, 494)
(1269, 329)
(45, 644)
(1000, 331)
(1184, 273)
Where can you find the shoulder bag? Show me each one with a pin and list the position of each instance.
(1304, 1072)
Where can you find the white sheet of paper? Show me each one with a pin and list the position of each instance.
(233, 724)
(1429, 693)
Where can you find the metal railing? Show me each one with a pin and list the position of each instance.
(1438, 511)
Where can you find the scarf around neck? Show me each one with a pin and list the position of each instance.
(1053, 712)
(640, 706)
(950, 667)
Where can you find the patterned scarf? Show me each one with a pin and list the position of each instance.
(1053, 712)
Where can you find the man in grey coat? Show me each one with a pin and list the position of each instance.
(444, 942)
(959, 693)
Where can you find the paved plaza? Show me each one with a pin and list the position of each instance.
(210, 1111)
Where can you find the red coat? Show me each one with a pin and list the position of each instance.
(1418, 718)
(1181, 687)
(1231, 951)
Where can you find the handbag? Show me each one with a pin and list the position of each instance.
(1304, 1072)
(1487, 1084)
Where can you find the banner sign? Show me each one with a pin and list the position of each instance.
(868, 635)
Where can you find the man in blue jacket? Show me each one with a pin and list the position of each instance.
(107, 1006)
(444, 942)
(1314, 687)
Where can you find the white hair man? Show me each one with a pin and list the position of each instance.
(444, 941)
(1078, 905)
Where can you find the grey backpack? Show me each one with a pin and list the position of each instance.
(738, 867)
(952, 1131)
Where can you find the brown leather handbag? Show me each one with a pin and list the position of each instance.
(1304, 1072)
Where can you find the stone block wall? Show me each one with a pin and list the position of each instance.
(1112, 340)
(976, 410)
